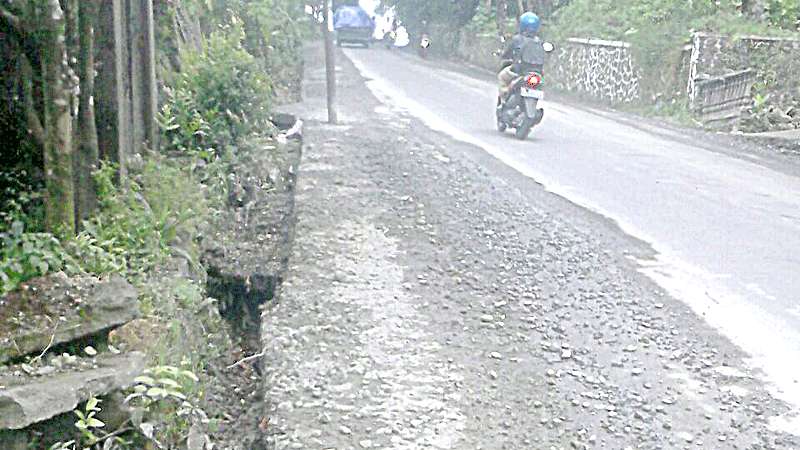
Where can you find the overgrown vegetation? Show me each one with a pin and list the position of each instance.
(130, 233)
(220, 98)
(223, 64)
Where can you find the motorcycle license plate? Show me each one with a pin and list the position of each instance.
(532, 93)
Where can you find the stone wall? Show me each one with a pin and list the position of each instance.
(604, 70)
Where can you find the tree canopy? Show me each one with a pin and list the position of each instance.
(448, 13)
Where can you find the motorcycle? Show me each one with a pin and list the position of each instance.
(519, 108)
(424, 46)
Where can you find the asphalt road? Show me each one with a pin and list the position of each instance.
(725, 230)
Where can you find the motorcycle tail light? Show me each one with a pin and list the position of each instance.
(533, 80)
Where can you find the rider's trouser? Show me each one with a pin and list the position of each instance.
(504, 79)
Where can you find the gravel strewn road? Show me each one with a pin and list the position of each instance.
(436, 299)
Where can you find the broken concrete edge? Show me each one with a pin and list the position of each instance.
(108, 303)
(283, 121)
(284, 251)
(245, 274)
(786, 136)
(44, 398)
(243, 267)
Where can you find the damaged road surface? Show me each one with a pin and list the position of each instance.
(438, 299)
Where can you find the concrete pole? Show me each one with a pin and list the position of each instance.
(330, 63)
(144, 94)
(112, 85)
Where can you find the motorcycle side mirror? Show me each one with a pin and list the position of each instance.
(548, 47)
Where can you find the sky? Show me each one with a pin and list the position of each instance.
(369, 5)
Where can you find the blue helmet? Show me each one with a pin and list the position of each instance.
(529, 23)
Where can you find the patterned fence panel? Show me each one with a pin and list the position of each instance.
(604, 70)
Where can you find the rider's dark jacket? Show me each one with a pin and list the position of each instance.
(526, 53)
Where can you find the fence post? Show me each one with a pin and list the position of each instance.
(330, 64)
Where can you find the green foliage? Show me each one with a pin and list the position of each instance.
(167, 396)
(183, 127)
(657, 20)
(193, 332)
(138, 225)
(125, 225)
(92, 430)
(20, 200)
(89, 425)
(221, 97)
(274, 31)
(450, 15)
(26, 255)
(131, 232)
(784, 13)
(483, 22)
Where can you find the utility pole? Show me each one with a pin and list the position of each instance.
(330, 63)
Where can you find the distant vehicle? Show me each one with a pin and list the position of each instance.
(353, 26)
(518, 109)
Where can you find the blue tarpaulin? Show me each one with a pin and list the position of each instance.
(351, 17)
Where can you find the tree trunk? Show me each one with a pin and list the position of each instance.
(88, 152)
(501, 16)
(60, 200)
(35, 129)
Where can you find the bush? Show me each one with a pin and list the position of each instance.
(132, 231)
(26, 255)
(138, 225)
(784, 13)
(20, 200)
(220, 98)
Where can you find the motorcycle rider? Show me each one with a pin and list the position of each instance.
(524, 53)
(425, 40)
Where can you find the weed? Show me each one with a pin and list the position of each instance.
(164, 394)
